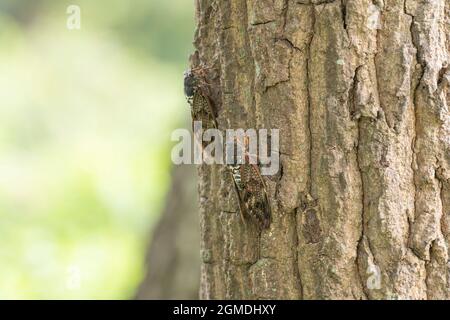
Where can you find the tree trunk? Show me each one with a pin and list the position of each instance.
(173, 260)
(361, 205)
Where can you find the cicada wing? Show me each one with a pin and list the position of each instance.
(203, 109)
(255, 195)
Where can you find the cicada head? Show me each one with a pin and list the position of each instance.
(190, 83)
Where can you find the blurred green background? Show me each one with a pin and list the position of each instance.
(85, 122)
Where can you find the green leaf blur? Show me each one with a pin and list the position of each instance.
(85, 123)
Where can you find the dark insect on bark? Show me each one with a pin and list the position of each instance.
(196, 91)
(248, 182)
(251, 191)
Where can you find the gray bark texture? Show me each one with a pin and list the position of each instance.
(359, 90)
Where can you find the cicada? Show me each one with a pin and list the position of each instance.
(196, 92)
(251, 191)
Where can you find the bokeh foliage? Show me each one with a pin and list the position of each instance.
(85, 122)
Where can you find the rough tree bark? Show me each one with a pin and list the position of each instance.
(358, 89)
